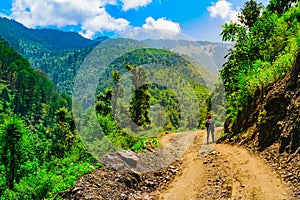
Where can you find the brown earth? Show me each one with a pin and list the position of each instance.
(213, 171)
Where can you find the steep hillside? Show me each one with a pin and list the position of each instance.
(254, 64)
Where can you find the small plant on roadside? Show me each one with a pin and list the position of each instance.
(262, 117)
(245, 135)
(234, 138)
(223, 136)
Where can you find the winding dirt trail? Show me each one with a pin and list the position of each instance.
(220, 171)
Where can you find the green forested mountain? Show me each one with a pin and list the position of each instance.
(169, 76)
(266, 47)
(57, 53)
(163, 59)
(40, 149)
(60, 54)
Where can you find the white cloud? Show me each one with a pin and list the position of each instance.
(96, 23)
(155, 29)
(162, 24)
(91, 15)
(224, 10)
(134, 4)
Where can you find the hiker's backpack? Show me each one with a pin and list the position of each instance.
(207, 123)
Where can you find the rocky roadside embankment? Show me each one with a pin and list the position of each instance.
(107, 183)
(270, 125)
(129, 175)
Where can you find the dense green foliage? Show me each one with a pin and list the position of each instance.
(280, 6)
(163, 91)
(265, 49)
(41, 153)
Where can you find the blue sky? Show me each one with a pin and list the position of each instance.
(197, 19)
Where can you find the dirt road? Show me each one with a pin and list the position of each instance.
(184, 168)
(220, 171)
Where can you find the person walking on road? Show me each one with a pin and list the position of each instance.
(210, 128)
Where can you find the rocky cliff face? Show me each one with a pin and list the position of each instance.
(273, 115)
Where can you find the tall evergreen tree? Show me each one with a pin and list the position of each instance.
(140, 100)
(11, 132)
(63, 132)
(5, 98)
(250, 13)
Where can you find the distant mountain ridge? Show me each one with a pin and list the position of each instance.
(51, 39)
(208, 54)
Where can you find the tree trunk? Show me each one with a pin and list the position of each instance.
(11, 171)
